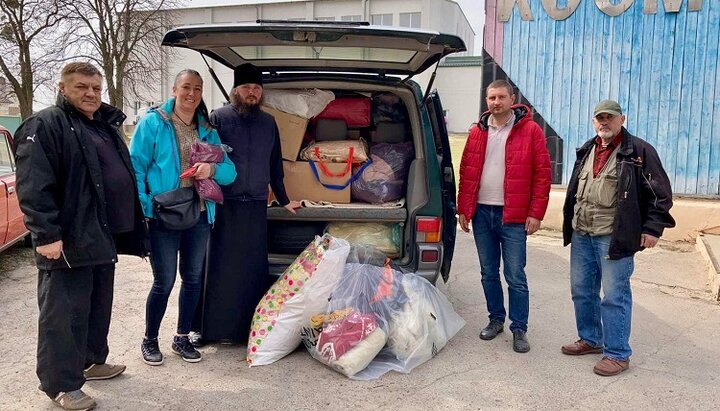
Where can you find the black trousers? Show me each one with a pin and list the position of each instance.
(75, 306)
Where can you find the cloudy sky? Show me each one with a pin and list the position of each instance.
(473, 10)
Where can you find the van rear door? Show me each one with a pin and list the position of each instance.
(317, 46)
(442, 148)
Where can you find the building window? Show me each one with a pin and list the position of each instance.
(382, 19)
(324, 18)
(354, 17)
(411, 20)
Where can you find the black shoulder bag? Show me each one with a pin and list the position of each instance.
(177, 209)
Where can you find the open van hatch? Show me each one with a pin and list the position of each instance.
(312, 46)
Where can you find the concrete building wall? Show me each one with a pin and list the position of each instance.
(460, 89)
(440, 15)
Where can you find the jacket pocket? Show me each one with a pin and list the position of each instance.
(582, 182)
(607, 191)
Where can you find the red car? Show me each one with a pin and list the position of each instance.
(12, 227)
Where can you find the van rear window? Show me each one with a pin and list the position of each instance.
(273, 52)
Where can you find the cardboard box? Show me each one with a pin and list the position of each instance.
(292, 130)
(301, 184)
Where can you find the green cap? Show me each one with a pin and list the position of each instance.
(609, 107)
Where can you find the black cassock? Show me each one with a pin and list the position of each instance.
(237, 270)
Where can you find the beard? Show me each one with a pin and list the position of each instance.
(605, 134)
(245, 107)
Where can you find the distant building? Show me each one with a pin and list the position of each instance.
(460, 86)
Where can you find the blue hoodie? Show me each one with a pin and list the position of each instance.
(156, 159)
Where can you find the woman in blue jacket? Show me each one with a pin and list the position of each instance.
(160, 151)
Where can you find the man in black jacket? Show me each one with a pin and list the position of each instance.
(618, 203)
(77, 189)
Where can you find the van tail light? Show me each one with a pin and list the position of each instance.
(429, 256)
(429, 229)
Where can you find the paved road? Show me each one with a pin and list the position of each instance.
(675, 366)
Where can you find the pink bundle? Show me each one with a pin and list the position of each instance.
(201, 152)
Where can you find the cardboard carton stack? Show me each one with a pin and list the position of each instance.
(300, 182)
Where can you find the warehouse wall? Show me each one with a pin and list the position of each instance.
(662, 67)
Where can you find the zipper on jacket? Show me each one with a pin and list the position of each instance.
(65, 258)
(655, 200)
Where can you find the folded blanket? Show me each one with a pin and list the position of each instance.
(358, 357)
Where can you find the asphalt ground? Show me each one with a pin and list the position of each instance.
(674, 367)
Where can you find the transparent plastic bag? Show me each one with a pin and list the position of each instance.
(336, 151)
(304, 103)
(386, 178)
(354, 328)
(208, 189)
(388, 107)
(201, 152)
(418, 331)
(379, 319)
(385, 237)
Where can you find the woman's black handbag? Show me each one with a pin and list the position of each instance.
(178, 209)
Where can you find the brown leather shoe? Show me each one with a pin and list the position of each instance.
(580, 347)
(103, 371)
(608, 367)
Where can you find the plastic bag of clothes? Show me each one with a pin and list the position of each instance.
(379, 319)
(301, 291)
(388, 107)
(387, 238)
(337, 151)
(386, 178)
(305, 103)
(423, 326)
(201, 152)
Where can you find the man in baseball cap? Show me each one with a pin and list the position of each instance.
(608, 107)
(618, 203)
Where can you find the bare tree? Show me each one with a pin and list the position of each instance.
(31, 46)
(7, 95)
(123, 37)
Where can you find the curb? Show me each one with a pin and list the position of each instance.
(712, 263)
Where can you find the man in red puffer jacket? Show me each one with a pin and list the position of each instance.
(504, 191)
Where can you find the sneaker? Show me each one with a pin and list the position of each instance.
(151, 352)
(74, 400)
(103, 371)
(196, 339)
(181, 346)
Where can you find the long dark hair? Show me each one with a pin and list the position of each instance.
(202, 108)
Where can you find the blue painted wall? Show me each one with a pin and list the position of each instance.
(664, 69)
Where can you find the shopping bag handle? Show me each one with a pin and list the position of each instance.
(326, 171)
(336, 186)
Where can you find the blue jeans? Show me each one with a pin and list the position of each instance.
(191, 245)
(601, 323)
(494, 239)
